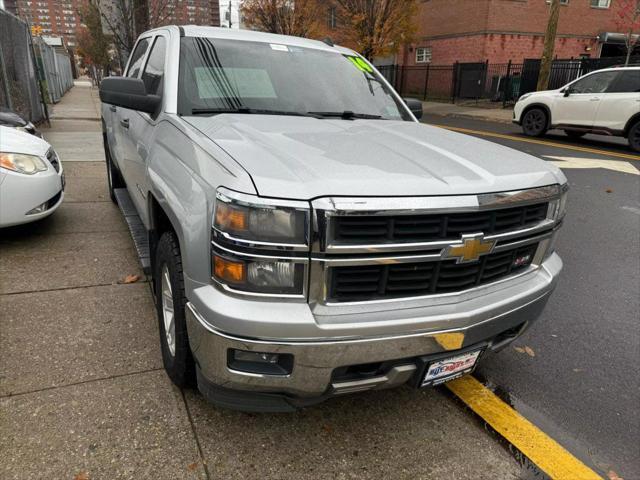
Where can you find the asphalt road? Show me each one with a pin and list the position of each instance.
(583, 384)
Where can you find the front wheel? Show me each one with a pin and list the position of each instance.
(170, 305)
(534, 122)
(634, 137)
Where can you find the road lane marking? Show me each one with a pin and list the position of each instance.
(539, 142)
(579, 162)
(548, 455)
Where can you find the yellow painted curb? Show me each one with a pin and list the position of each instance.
(540, 142)
(548, 455)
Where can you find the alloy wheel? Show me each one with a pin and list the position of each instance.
(167, 311)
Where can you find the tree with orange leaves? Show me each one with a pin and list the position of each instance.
(376, 27)
(299, 18)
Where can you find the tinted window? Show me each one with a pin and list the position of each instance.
(627, 82)
(596, 83)
(136, 58)
(154, 71)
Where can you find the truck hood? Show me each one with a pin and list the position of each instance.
(305, 158)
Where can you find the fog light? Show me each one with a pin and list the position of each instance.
(260, 362)
(38, 209)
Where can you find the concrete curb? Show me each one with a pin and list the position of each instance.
(472, 117)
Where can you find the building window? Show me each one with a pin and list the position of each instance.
(600, 3)
(423, 55)
(562, 2)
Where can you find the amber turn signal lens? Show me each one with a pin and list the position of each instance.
(229, 218)
(229, 271)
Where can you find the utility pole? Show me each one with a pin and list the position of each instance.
(549, 44)
(229, 13)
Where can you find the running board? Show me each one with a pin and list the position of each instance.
(136, 227)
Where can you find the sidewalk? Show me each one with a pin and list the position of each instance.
(83, 394)
(499, 115)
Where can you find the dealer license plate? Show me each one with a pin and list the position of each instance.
(447, 369)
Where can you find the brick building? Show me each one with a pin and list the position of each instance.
(61, 17)
(503, 30)
(54, 17)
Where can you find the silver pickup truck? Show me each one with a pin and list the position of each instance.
(307, 237)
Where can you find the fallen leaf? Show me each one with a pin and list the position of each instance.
(192, 466)
(577, 370)
(519, 349)
(530, 351)
(327, 428)
(131, 279)
(613, 475)
(81, 476)
(608, 190)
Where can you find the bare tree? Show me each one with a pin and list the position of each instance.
(300, 18)
(628, 21)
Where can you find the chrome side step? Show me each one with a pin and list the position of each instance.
(136, 227)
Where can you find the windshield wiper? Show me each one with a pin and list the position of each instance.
(346, 115)
(247, 110)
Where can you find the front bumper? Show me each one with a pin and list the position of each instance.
(490, 320)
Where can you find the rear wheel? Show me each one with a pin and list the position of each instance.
(634, 137)
(534, 122)
(114, 179)
(575, 133)
(170, 305)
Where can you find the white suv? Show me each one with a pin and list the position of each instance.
(605, 102)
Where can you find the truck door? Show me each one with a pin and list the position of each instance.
(142, 125)
(122, 116)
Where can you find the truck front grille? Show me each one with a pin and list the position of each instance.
(368, 229)
(362, 283)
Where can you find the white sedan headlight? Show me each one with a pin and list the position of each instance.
(21, 163)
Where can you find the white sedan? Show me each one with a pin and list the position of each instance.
(31, 178)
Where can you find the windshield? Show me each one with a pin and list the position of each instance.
(218, 76)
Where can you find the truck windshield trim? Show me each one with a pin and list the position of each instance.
(227, 76)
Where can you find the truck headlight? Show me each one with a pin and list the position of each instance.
(559, 206)
(261, 220)
(259, 245)
(21, 163)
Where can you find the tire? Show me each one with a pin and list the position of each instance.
(575, 133)
(534, 122)
(634, 137)
(170, 305)
(114, 179)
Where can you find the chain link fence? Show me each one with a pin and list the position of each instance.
(32, 73)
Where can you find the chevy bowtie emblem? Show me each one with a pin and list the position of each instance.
(469, 249)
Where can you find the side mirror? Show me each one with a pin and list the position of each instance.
(415, 106)
(128, 93)
(567, 91)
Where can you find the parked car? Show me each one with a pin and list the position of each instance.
(9, 118)
(306, 235)
(31, 178)
(605, 102)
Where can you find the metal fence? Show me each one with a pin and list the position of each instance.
(19, 89)
(54, 69)
(484, 81)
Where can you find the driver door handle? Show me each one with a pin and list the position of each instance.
(112, 108)
(125, 122)
(595, 99)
